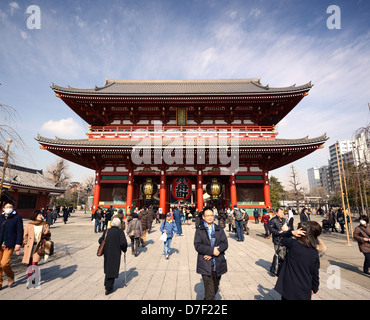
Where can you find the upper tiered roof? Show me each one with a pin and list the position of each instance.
(251, 86)
(222, 99)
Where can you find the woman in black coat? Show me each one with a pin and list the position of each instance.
(210, 242)
(114, 245)
(299, 275)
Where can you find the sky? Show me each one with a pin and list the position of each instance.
(80, 43)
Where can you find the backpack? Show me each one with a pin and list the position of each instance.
(238, 214)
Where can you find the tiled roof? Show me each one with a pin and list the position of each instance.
(180, 87)
(114, 143)
(26, 177)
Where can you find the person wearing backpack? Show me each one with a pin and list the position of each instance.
(239, 216)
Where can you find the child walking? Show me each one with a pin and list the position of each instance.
(168, 226)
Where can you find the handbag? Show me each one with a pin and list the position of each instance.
(132, 233)
(163, 237)
(41, 248)
(100, 251)
(49, 247)
(277, 261)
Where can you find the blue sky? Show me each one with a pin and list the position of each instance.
(81, 43)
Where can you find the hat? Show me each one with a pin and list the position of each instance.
(168, 214)
(235, 206)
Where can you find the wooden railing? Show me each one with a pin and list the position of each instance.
(205, 131)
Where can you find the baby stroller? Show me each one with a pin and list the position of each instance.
(325, 225)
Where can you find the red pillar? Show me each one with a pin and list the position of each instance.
(266, 190)
(199, 191)
(130, 187)
(96, 191)
(233, 197)
(162, 193)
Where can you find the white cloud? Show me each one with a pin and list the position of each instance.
(63, 128)
(13, 6)
(255, 12)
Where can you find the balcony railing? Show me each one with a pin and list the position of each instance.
(205, 131)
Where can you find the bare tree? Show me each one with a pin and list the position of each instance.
(58, 173)
(294, 182)
(8, 120)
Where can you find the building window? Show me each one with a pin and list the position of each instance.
(26, 201)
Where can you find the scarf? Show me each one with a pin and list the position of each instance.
(212, 237)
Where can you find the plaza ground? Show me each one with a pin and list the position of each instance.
(74, 272)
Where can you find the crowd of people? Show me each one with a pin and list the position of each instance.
(298, 250)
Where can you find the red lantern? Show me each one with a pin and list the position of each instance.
(181, 188)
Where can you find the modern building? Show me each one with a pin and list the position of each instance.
(319, 177)
(170, 141)
(344, 149)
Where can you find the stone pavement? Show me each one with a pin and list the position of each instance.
(76, 273)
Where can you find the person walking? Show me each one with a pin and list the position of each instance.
(265, 220)
(239, 217)
(35, 231)
(151, 217)
(362, 235)
(278, 228)
(210, 242)
(304, 216)
(65, 214)
(49, 217)
(222, 218)
(183, 216)
(177, 218)
(144, 218)
(299, 275)
(331, 218)
(97, 219)
(197, 218)
(157, 216)
(11, 239)
(108, 217)
(256, 215)
(230, 219)
(169, 227)
(340, 219)
(115, 244)
(55, 214)
(134, 231)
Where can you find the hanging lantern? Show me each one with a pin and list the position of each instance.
(149, 188)
(214, 188)
(181, 188)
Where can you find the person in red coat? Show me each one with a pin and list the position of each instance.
(265, 220)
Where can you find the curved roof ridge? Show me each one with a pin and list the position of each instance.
(177, 81)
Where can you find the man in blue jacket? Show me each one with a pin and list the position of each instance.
(210, 242)
(11, 239)
(177, 218)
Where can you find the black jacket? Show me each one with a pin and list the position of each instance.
(11, 231)
(114, 245)
(275, 225)
(202, 245)
(299, 272)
